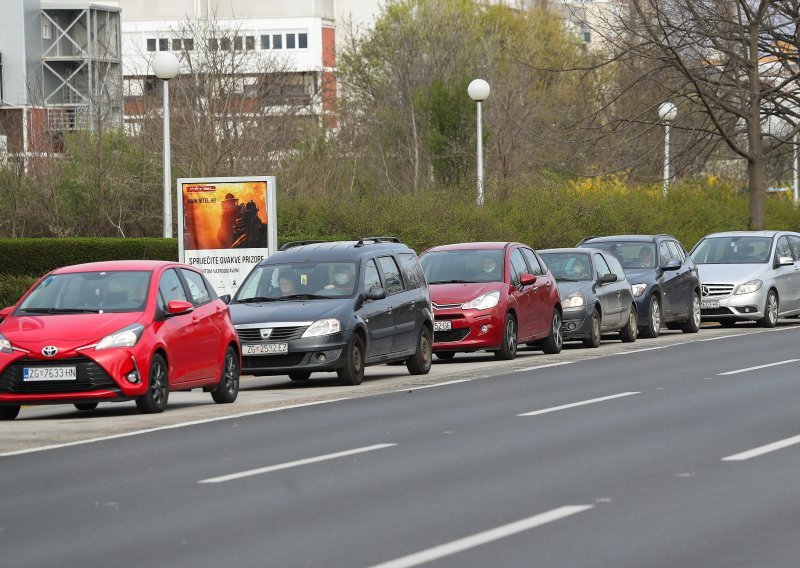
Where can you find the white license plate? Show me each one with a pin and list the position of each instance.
(445, 325)
(49, 374)
(709, 304)
(265, 349)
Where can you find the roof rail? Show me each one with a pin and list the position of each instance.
(363, 240)
(299, 244)
(587, 238)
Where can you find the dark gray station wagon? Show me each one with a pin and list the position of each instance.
(334, 306)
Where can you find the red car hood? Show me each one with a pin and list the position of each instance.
(444, 294)
(64, 330)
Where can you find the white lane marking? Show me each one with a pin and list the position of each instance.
(652, 348)
(479, 539)
(168, 427)
(721, 337)
(542, 366)
(287, 465)
(758, 367)
(574, 404)
(413, 388)
(755, 452)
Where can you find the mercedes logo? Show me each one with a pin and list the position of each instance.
(704, 289)
(265, 333)
(49, 351)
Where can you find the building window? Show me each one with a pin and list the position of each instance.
(176, 45)
(290, 41)
(46, 30)
(163, 44)
(213, 44)
(225, 44)
(277, 41)
(264, 42)
(151, 44)
(250, 43)
(302, 41)
(237, 43)
(188, 44)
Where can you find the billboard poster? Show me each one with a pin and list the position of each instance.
(226, 226)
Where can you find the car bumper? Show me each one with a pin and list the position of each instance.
(741, 307)
(471, 330)
(314, 354)
(577, 324)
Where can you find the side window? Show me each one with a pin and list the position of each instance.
(412, 272)
(601, 265)
(663, 253)
(794, 245)
(391, 275)
(518, 266)
(615, 266)
(170, 288)
(533, 262)
(196, 286)
(676, 250)
(782, 248)
(371, 277)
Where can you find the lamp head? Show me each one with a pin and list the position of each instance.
(165, 65)
(478, 90)
(667, 111)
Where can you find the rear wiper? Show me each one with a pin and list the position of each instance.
(452, 282)
(61, 310)
(304, 297)
(256, 299)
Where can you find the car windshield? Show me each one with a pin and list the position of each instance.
(632, 255)
(741, 249)
(298, 281)
(568, 266)
(89, 292)
(463, 266)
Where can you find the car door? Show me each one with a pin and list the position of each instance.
(376, 314)
(622, 286)
(794, 246)
(176, 331)
(403, 304)
(784, 277)
(522, 297)
(540, 297)
(609, 294)
(669, 282)
(685, 280)
(205, 325)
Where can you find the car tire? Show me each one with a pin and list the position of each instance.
(157, 395)
(653, 327)
(555, 341)
(420, 363)
(445, 355)
(770, 318)
(692, 325)
(508, 349)
(630, 332)
(352, 373)
(85, 405)
(299, 375)
(228, 388)
(593, 340)
(9, 412)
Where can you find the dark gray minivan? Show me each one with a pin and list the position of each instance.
(334, 306)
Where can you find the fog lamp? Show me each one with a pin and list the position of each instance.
(321, 358)
(133, 377)
(484, 329)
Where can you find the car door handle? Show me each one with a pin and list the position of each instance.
(195, 321)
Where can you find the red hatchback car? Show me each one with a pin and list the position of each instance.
(491, 296)
(113, 331)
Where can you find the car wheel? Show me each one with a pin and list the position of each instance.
(630, 332)
(85, 405)
(155, 399)
(228, 388)
(420, 363)
(508, 350)
(445, 355)
(9, 412)
(553, 343)
(653, 327)
(692, 325)
(299, 375)
(352, 373)
(770, 318)
(594, 331)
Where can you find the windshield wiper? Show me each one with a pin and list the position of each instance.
(256, 299)
(452, 282)
(61, 310)
(568, 279)
(304, 297)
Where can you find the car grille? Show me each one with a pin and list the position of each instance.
(272, 361)
(450, 335)
(718, 312)
(445, 306)
(253, 335)
(90, 376)
(716, 290)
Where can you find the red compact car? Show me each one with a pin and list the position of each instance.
(112, 331)
(491, 296)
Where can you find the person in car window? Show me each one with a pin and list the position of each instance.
(287, 285)
(489, 267)
(342, 279)
(580, 268)
(646, 257)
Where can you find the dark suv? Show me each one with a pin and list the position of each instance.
(663, 278)
(334, 306)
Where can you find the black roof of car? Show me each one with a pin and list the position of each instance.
(335, 250)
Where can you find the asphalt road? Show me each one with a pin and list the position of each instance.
(678, 451)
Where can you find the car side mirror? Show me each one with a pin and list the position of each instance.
(672, 264)
(527, 279)
(226, 298)
(177, 307)
(376, 293)
(782, 261)
(608, 278)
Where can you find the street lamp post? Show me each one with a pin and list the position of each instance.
(795, 168)
(667, 113)
(479, 91)
(166, 66)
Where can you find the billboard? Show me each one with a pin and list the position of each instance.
(226, 226)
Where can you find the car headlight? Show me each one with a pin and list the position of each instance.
(125, 337)
(483, 302)
(748, 287)
(5, 345)
(638, 289)
(323, 327)
(574, 300)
